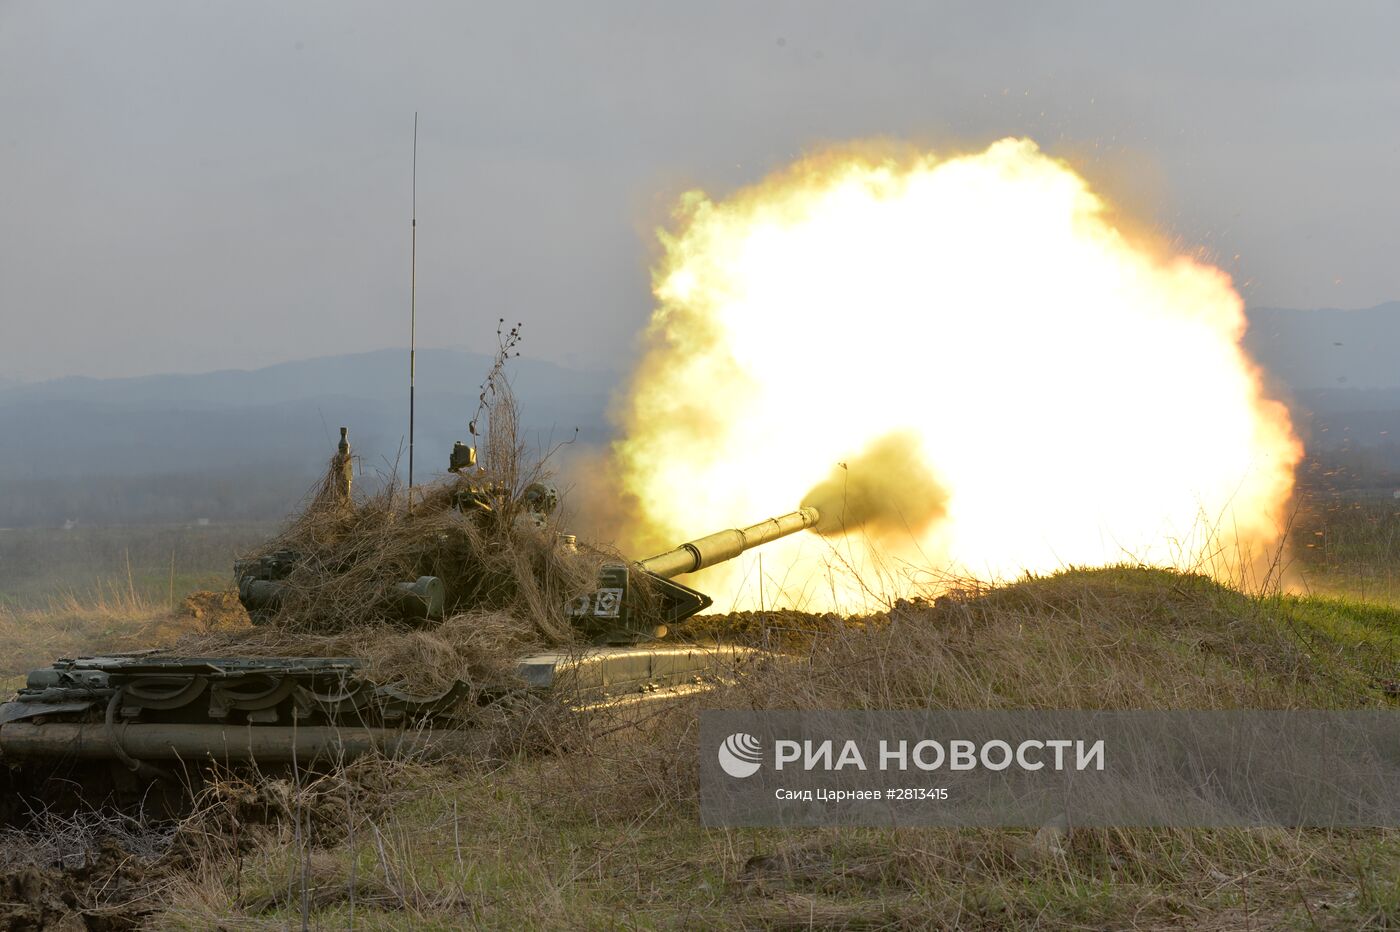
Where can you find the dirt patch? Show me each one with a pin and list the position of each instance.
(215, 609)
(240, 811)
(107, 889)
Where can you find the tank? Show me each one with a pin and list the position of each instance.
(147, 711)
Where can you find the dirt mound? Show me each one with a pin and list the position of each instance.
(107, 890)
(785, 628)
(215, 609)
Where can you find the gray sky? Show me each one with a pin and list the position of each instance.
(187, 186)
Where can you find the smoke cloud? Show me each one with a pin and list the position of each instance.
(886, 490)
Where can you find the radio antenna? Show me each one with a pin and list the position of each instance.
(413, 308)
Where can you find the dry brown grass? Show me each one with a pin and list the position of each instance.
(1114, 638)
(592, 821)
(507, 587)
(114, 619)
(353, 553)
(1120, 639)
(1103, 639)
(463, 529)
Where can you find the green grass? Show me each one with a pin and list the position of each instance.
(1347, 545)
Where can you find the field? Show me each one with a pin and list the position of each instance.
(91, 589)
(592, 823)
(1348, 545)
(154, 565)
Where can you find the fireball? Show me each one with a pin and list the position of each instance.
(966, 364)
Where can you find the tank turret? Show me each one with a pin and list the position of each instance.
(616, 611)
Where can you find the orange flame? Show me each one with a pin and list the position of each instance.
(965, 363)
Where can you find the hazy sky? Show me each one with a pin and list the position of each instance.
(187, 185)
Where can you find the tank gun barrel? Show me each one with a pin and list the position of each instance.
(726, 545)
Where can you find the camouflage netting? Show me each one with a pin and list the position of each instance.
(506, 586)
(507, 574)
(351, 555)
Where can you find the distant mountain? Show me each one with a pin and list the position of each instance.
(380, 374)
(242, 444)
(266, 432)
(280, 415)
